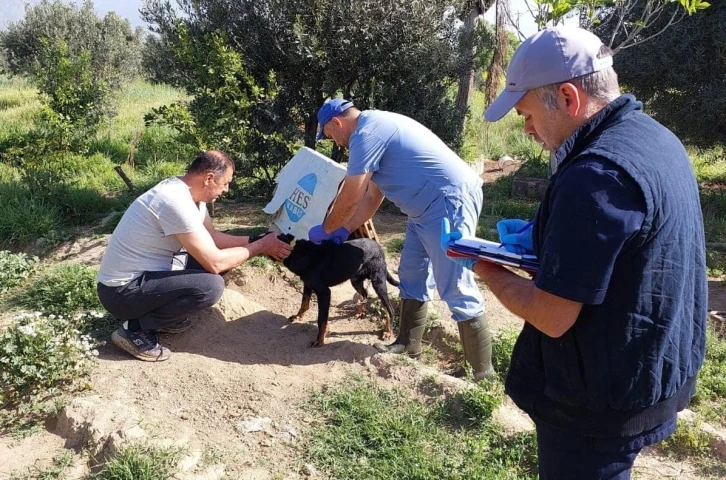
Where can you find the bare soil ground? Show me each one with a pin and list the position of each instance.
(243, 362)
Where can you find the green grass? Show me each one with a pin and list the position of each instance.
(24, 218)
(141, 462)
(502, 351)
(395, 245)
(499, 203)
(61, 290)
(710, 165)
(687, 441)
(49, 197)
(18, 104)
(367, 432)
(492, 140)
(260, 261)
(710, 168)
(54, 472)
(154, 144)
(710, 398)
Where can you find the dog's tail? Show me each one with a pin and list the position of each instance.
(391, 280)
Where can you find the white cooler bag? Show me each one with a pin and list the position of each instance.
(306, 186)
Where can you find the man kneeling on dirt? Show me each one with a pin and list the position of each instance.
(165, 259)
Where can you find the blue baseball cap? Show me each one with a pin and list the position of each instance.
(553, 55)
(329, 110)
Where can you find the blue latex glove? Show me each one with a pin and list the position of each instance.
(340, 235)
(516, 236)
(317, 234)
(446, 236)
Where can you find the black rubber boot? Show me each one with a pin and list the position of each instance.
(413, 324)
(477, 342)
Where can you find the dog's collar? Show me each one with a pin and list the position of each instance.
(292, 245)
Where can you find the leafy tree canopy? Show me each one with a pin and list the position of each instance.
(681, 76)
(393, 55)
(114, 48)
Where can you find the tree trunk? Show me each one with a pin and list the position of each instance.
(466, 79)
(495, 72)
(311, 131)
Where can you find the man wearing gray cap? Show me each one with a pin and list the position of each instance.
(615, 318)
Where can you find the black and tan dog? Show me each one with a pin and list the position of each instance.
(328, 264)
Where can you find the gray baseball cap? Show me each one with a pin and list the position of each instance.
(552, 55)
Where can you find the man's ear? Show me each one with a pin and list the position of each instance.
(571, 99)
(208, 178)
(337, 122)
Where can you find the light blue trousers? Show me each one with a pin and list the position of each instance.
(424, 264)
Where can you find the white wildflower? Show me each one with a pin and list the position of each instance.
(27, 330)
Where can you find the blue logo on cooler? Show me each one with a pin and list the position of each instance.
(296, 204)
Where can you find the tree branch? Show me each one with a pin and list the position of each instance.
(670, 23)
(512, 23)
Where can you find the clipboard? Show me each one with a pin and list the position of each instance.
(480, 249)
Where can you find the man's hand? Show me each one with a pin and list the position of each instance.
(515, 236)
(274, 247)
(446, 236)
(317, 234)
(254, 238)
(340, 235)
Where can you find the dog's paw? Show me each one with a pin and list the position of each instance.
(317, 344)
(294, 318)
(386, 335)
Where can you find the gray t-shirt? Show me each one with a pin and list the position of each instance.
(145, 241)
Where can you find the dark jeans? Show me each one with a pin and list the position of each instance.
(159, 299)
(565, 455)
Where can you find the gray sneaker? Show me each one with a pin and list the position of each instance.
(142, 345)
(178, 327)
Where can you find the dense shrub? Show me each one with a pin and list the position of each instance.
(15, 268)
(681, 75)
(114, 47)
(75, 97)
(229, 110)
(41, 357)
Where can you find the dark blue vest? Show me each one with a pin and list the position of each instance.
(628, 363)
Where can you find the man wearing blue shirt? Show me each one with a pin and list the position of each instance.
(394, 156)
(615, 318)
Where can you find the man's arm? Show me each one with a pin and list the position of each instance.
(368, 206)
(202, 247)
(225, 240)
(347, 202)
(550, 314)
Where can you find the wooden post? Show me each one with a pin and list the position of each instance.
(367, 230)
(126, 179)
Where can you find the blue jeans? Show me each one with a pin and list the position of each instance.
(565, 455)
(424, 264)
(159, 299)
